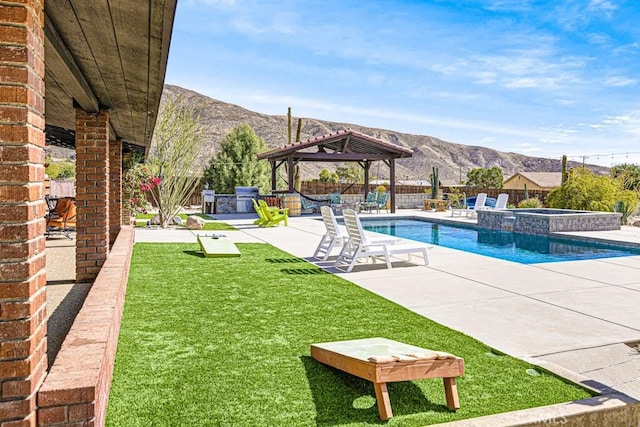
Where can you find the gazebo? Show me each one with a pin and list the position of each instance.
(342, 146)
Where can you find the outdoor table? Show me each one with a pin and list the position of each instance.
(381, 360)
(441, 205)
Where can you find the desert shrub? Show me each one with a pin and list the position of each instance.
(585, 191)
(531, 203)
(627, 204)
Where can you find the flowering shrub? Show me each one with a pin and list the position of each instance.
(138, 182)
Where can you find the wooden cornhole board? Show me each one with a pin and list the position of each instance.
(217, 246)
(353, 357)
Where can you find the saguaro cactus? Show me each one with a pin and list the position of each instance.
(289, 125)
(435, 182)
(565, 174)
(297, 178)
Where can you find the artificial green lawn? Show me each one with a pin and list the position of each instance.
(225, 342)
(209, 225)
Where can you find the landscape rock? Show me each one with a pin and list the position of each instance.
(177, 220)
(155, 220)
(195, 223)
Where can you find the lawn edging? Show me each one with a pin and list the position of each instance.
(76, 389)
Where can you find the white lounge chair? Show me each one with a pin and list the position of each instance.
(501, 201)
(332, 237)
(481, 199)
(358, 246)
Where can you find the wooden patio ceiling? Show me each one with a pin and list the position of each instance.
(106, 54)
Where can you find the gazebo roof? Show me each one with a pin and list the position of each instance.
(344, 145)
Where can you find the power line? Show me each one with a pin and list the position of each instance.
(584, 157)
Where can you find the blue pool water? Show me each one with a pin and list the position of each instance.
(522, 248)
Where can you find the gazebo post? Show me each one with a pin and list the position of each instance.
(367, 166)
(273, 176)
(392, 183)
(290, 172)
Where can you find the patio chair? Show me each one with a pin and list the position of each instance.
(64, 223)
(335, 201)
(370, 202)
(271, 217)
(261, 218)
(459, 210)
(481, 199)
(501, 201)
(381, 202)
(359, 246)
(307, 205)
(332, 237)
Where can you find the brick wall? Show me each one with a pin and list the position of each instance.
(77, 393)
(92, 193)
(23, 361)
(115, 189)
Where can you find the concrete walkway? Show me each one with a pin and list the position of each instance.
(578, 318)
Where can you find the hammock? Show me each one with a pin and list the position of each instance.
(318, 200)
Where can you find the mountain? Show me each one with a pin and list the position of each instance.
(453, 160)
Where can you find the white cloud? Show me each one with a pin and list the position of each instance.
(602, 6)
(619, 81)
(631, 48)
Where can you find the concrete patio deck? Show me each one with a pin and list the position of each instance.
(579, 319)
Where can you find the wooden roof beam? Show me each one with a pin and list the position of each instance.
(68, 74)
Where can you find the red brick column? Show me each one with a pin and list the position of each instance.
(23, 345)
(92, 193)
(115, 189)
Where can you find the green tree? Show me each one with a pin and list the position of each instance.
(628, 174)
(350, 174)
(176, 144)
(327, 176)
(60, 170)
(585, 191)
(237, 164)
(485, 178)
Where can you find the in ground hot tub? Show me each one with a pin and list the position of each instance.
(545, 221)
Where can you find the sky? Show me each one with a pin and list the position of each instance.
(541, 78)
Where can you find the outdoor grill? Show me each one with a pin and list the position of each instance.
(243, 198)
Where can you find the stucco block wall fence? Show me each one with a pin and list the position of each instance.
(76, 390)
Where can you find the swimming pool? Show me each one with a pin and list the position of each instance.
(516, 247)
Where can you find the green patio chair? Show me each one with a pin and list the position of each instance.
(335, 201)
(381, 202)
(271, 216)
(261, 218)
(370, 202)
(308, 205)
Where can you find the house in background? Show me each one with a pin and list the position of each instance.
(533, 180)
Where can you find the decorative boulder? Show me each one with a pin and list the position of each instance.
(155, 220)
(177, 220)
(195, 223)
